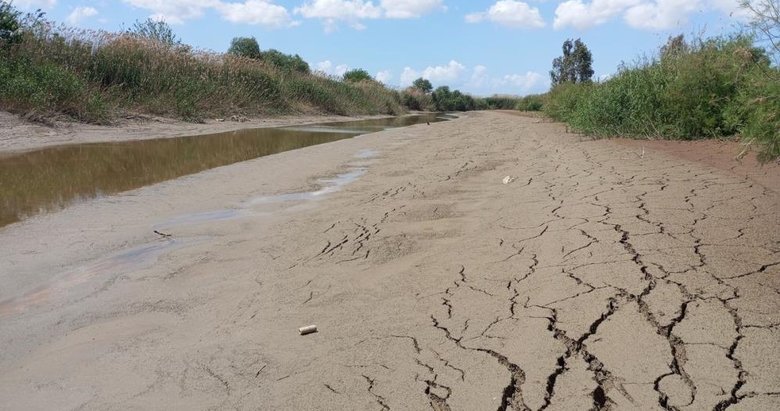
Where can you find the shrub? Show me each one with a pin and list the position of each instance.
(756, 112)
(712, 88)
(533, 102)
(356, 75)
(155, 30)
(446, 100)
(245, 47)
(9, 23)
(285, 61)
(414, 98)
(423, 85)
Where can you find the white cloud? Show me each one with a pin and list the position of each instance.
(35, 4)
(174, 11)
(575, 13)
(661, 14)
(259, 12)
(449, 73)
(328, 68)
(353, 12)
(478, 77)
(408, 76)
(331, 12)
(408, 9)
(641, 14)
(729, 7)
(482, 82)
(525, 82)
(79, 14)
(383, 76)
(509, 13)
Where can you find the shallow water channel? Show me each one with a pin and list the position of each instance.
(52, 178)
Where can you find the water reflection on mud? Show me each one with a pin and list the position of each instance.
(52, 178)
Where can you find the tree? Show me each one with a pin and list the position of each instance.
(356, 75)
(285, 61)
(765, 21)
(9, 22)
(445, 99)
(155, 30)
(245, 47)
(13, 23)
(575, 66)
(423, 85)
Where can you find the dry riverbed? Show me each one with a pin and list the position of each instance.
(601, 276)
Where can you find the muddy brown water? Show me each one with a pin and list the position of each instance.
(53, 178)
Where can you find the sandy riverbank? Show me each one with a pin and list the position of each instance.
(597, 277)
(21, 135)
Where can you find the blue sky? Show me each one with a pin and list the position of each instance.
(481, 47)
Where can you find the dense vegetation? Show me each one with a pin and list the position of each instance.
(91, 76)
(48, 69)
(710, 88)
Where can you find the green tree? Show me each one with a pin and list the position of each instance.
(9, 22)
(445, 99)
(765, 21)
(245, 47)
(156, 30)
(285, 61)
(423, 85)
(574, 66)
(356, 75)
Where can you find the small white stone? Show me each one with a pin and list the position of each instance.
(308, 329)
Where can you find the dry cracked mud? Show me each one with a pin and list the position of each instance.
(598, 279)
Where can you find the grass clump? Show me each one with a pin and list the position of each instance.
(709, 89)
(532, 102)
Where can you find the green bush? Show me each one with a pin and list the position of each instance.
(756, 112)
(533, 102)
(499, 103)
(245, 47)
(9, 23)
(446, 100)
(713, 88)
(285, 61)
(356, 75)
(414, 98)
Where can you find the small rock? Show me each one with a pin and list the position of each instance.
(308, 329)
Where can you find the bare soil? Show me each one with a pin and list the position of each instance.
(597, 278)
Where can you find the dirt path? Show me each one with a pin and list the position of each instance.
(595, 279)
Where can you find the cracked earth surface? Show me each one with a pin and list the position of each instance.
(597, 279)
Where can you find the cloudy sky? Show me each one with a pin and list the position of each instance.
(479, 46)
